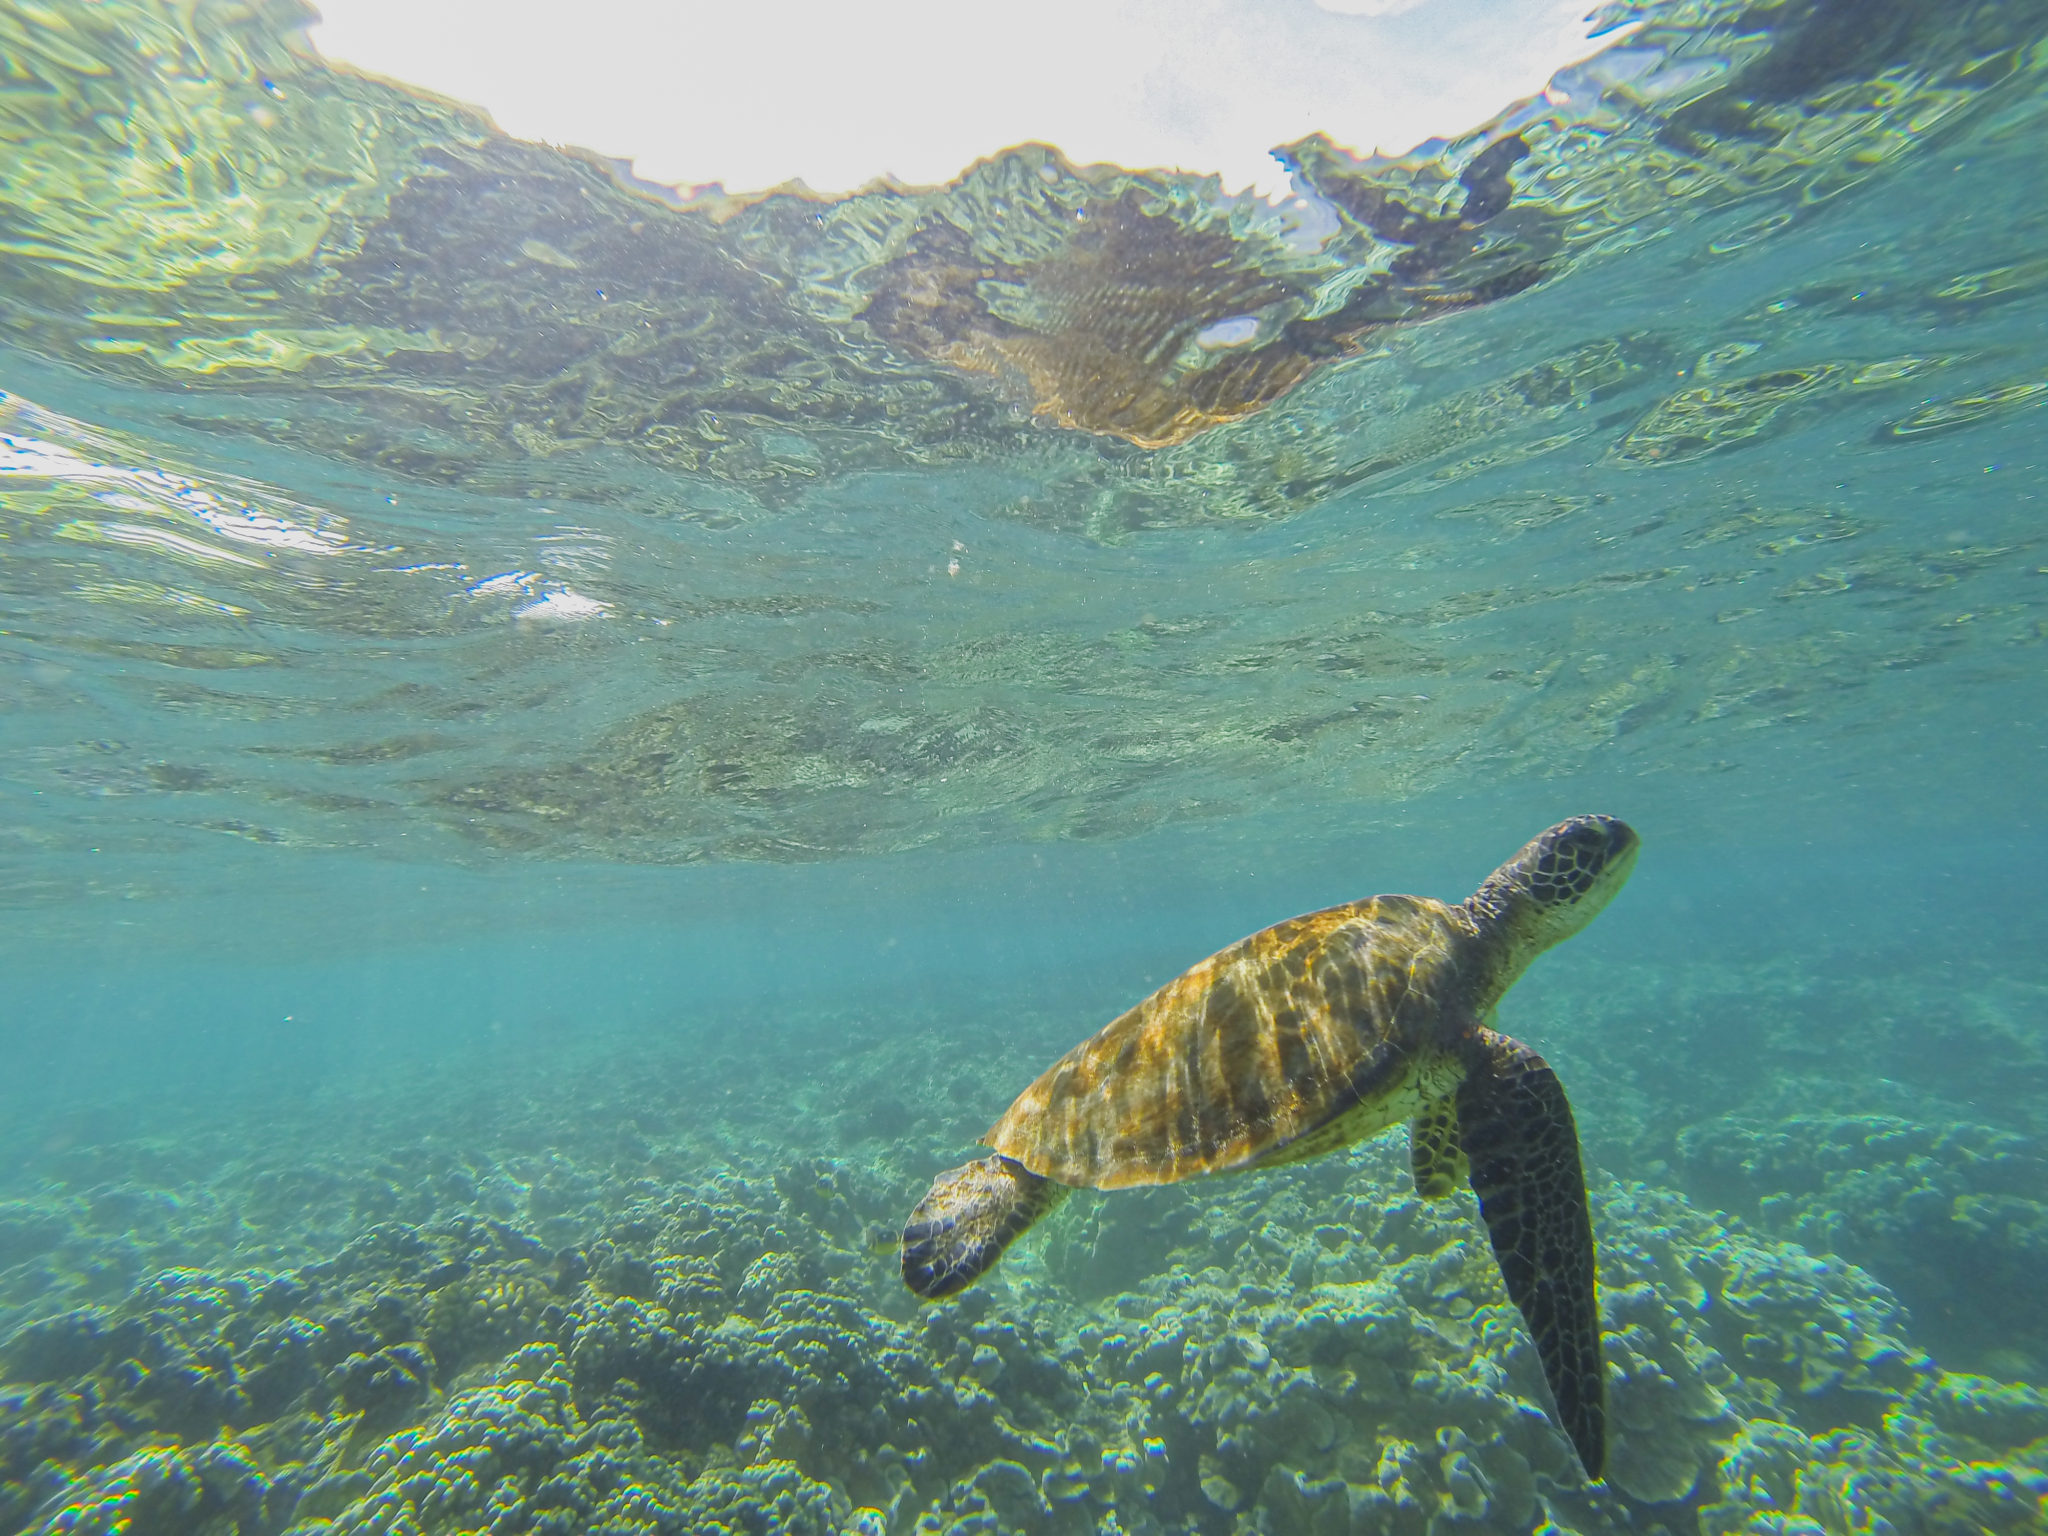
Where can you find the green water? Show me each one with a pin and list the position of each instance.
(562, 755)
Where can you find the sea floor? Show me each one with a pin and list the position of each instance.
(600, 1282)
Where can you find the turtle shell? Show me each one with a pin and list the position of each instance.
(1303, 1037)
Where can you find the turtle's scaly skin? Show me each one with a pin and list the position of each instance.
(1313, 1034)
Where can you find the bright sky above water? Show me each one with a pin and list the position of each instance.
(753, 93)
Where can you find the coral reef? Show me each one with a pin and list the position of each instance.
(1953, 1216)
(617, 1330)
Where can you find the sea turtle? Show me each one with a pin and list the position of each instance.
(1313, 1034)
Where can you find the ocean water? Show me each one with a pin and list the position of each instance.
(562, 754)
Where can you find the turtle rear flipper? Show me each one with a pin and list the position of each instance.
(967, 1218)
(1518, 1132)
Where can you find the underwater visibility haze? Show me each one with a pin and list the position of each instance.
(566, 751)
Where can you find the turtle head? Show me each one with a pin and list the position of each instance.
(1554, 887)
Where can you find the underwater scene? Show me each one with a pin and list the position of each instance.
(569, 750)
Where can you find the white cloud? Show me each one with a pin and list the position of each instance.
(837, 92)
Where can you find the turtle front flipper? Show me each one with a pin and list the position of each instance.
(967, 1218)
(1518, 1133)
(1434, 1150)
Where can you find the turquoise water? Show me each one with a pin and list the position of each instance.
(563, 755)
